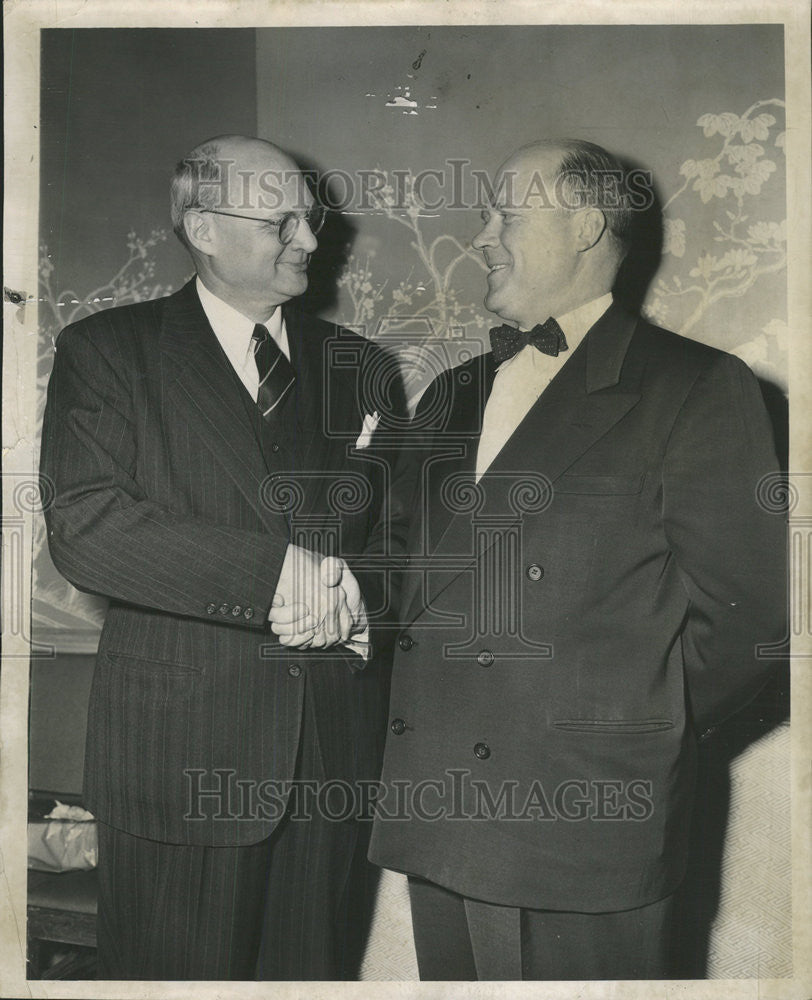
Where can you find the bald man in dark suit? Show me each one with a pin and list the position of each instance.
(592, 581)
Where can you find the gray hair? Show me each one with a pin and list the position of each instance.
(196, 183)
(589, 176)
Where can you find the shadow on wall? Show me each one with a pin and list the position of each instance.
(645, 253)
(335, 245)
(698, 898)
(778, 409)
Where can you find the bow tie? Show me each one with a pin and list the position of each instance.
(547, 337)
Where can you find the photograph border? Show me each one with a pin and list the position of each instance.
(23, 20)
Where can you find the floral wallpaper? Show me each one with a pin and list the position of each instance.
(745, 153)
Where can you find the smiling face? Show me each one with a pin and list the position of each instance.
(243, 260)
(530, 246)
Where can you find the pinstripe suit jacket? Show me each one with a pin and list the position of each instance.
(166, 504)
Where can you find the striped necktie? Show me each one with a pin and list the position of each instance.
(276, 375)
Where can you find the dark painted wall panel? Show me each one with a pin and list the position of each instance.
(119, 108)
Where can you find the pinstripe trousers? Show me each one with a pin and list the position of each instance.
(291, 907)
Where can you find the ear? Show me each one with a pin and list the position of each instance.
(590, 226)
(198, 231)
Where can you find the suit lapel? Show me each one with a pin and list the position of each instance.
(201, 384)
(585, 399)
(326, 409)
(309, 393)
(451, 452)
(455, 446)
(580, 405)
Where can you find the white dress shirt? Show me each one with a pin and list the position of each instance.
(523, 378)
(234, 332)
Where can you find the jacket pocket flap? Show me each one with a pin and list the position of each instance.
(612, 726)
(150, 665)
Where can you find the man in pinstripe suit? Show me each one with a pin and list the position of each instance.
(235, 656)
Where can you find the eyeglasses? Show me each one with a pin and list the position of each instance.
(288, 225)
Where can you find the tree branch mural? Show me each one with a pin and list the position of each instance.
(749, 247)
(426, 302)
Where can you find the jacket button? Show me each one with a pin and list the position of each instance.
(248, 614)
(224, 609)
(274, 447)
(405, 642)
(398, 727)
(482, 751)
(210, 609)
(485, 658)
(236, 611)
(294, 670)
(535, 572)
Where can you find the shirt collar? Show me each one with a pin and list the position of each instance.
(575, 326)
(234, 330)
(577, 323)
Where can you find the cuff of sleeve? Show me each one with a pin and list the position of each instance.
(360, 645)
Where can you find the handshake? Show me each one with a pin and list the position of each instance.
(317, 603)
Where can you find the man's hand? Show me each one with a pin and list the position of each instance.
(317, 602)
(303, 606)
(352, 611)
(354, 602)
